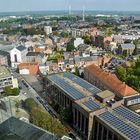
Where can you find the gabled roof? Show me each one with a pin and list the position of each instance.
(35, 54)
(127, 46)
(21, 48)
(32, 67)
(111, 81)
(4, 53)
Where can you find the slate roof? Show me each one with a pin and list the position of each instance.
(4, 53)
(21, 48)
(127, 46)
(35, 54)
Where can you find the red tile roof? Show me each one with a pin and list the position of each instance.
(111, 81)
(32, 67)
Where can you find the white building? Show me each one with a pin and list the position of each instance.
(48, 29)
(78, 41)
(18, 55)
(6, 79)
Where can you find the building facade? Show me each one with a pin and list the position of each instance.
(18, 55)
(94, 113)
(6, 79)
(107, 81)
(5, 58)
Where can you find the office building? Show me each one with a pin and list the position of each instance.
(96, 114)
(6, 79)
(48, 30)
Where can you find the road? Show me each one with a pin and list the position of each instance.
(30, 92)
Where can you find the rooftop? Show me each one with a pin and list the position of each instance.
(32, 67)
(74, 86)
(128, 46)
(15, 129)
(4, 53)
(89, 87)
(4, 72)
(111, 81)
(21, 48)
(105, 94)
(35, 54)
(124, 121)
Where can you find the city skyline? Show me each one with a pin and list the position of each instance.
(49, 5)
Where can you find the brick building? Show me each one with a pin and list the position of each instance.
(107, 81)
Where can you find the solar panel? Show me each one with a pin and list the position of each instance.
(71, 91)
(94, 90)
(92, 105)
(128, 115)
(121, 126)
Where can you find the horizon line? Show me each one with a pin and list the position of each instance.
(59, 10)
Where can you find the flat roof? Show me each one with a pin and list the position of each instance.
(4, 72)
(65, 86)
(128, 114)
(89, 87)
(124, 121)
(73, 85)
(105, 94)
(92, 105)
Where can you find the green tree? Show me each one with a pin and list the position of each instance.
(42, 119)
(121, 73)
(87, 39)
(136, 43)
(8, 90)
(15, 91)
(64, 34)
(125, 53)
(65, 114)
(77, 71)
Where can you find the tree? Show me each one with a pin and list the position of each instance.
(125, 53)
(55, 33)
(121, 73)
(9, 91)
(87, 39)
(77, 71)
(70, 45)
(42, 119)
(136, 43)
(65, 114)
(15, 91)
(64, 34)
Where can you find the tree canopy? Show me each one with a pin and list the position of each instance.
(9, 91)
(42, 119)
(130, 76)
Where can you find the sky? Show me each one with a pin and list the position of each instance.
(47, 5)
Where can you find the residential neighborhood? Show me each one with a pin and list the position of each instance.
(70, 75)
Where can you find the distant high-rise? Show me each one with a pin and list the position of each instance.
(83, 13)
(69, 9)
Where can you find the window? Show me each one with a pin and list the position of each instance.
(15, 57)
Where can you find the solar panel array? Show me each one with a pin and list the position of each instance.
(71, 91)
(127, 130)
(94, 90)
(128, 115)
(92, 105)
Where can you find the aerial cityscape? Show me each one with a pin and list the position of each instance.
(69, 70)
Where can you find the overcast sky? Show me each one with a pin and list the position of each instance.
(37, 5)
